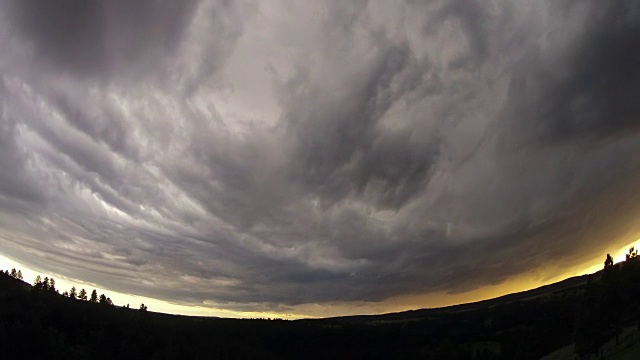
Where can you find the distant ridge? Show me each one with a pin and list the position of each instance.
(501, 300)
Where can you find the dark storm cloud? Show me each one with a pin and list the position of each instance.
(339, 150)
(589, 94)
(230, 153)
(91, 37)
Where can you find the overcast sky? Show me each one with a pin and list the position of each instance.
(263, 156)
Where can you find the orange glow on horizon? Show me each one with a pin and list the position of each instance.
(518, 283)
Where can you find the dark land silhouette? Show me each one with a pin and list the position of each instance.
(37, 322)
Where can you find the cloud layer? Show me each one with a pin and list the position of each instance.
(255, 156)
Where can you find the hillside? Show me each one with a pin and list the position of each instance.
(561, 288)
(526, 325)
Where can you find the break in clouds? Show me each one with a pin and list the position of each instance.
(262, 155)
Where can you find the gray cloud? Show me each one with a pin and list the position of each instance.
(234, 154)
(587, 93)
(91, 38)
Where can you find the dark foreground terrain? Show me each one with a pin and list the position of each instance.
(586, 311)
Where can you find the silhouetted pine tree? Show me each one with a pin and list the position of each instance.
(94, 296)
(608, 262)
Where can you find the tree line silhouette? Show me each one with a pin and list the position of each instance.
(49, 284)
(587, 311)
(14, 274)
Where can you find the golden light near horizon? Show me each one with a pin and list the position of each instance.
(621, 254)
(394, 304)
(618, 256)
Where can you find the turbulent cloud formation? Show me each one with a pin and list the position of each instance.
(260, 156)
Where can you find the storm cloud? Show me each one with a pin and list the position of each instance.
(257, 157)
